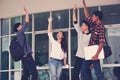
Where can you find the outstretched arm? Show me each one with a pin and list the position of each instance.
(26, 14)
(25, 24)
(86, 13)
(50, 23)
(74, 13)
(75, 22)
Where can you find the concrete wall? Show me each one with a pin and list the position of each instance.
(10, 8)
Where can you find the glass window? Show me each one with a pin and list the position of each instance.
(4, 60)
(5, 26)
(15, 65)
(111, 14)
(43, 74)
(74, 44)
(5, 54)
(4, 76)
(29, 39)
(113, 38)
(15, 75)
(41, 49)
(111, 73)
(30, 22)
(60, 19)
(41, 21)
(90, 10)
(13, 21)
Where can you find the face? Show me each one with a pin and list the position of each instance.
(94, 18)
(84, 27)
(19, 28)
(59, 35)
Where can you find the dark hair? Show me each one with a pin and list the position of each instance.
(16, 25)
(64, 44)
(87, 23)
(98, 13)
(116, 62)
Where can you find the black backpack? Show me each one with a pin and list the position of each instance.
(16, 50)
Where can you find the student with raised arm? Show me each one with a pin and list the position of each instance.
(97, 38)
(58, 52)
(28, 63)
(83, 35)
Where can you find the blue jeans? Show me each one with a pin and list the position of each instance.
(97, 68)
(77, 69)
(55, 67)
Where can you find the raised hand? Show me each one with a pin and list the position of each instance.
(50, 23)
(50, 17)
(74, 13)
(74, 8)
(25, 9)
(83, 1)
(86, 13)
(26, 13)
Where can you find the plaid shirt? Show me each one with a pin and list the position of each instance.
(98, 32)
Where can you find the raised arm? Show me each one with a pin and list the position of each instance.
(75, 22)
(50, 23)
(26, 14)
(25, 24)
(86, 13)
(74, 13)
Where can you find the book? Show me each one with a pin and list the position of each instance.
(90, 51)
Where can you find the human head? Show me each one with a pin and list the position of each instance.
(17, 27)
(85, 26)
(97, 15)
(60, 35)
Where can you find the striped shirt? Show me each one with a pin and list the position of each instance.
(97, 34)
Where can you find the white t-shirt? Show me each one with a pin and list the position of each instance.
(83, 40)
(56, 51)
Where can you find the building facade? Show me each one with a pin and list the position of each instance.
(37, 37)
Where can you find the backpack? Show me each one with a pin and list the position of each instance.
(16, 50)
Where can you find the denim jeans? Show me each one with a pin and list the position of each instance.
(97, 68)
(55, 67)
(29, 67)
(77, 69)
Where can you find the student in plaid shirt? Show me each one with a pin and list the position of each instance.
(97, 38)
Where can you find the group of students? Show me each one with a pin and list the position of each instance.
(91, 32)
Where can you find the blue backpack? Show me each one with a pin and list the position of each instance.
(16, 50)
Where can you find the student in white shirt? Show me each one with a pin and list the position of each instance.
(83, 35)
(58, 52)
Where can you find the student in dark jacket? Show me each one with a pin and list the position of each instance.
(28, 63)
